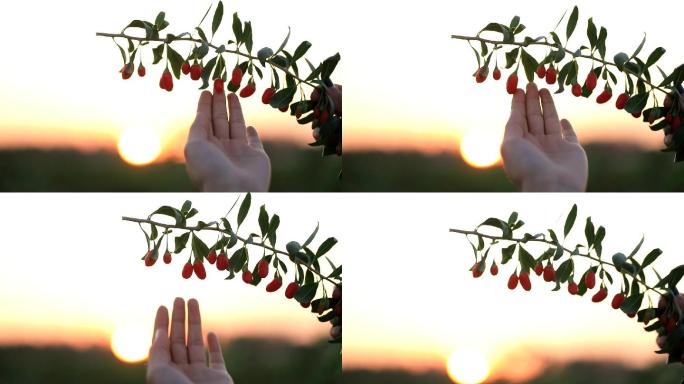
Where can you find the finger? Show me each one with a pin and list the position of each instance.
(159, 351)
(236, 122)
(253, 138)
(535, 121)
(517, 124)
(179, 353)
(201, 127)
(220, 116)
(195, 341)
(551, 123)
(568, 133)
(215, 355)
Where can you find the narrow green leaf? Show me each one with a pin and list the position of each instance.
(218, 17)
(326, 246)
(572, 22)
(244, 208)
(570, 220)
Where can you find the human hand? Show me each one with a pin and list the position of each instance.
(172, 361)
(221, 153)
(335, 94)
(541, 153)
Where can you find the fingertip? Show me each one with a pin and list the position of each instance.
(252, 131)
(193, 302)
(531, 87)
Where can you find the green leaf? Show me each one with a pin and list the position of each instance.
(651, 257)
(263, 221)
(199, 248)
(565, 270)
(601, 43)
(153, 232)
(632, 303)
(284, 43)
(673, 278)
(171, 212)
(272, 228)
(640, 47)
(247, 36)
(570, 220)
(591, 33)
(637, 103)
(311, 236)
(176, 61)
(218, 17)
(301, 50)
(328, 66)
(525, 258)
(589, 232)
(306, 293)
(181, 241)
(572, 22)
(238, 260)
(244, 208)
(530, 65)
(283, 97)
(500, 224)
(326, 246)
(237, 28)
(186, 207)
(507, 253)
(637, 248)
(158, 53)
(655, 56)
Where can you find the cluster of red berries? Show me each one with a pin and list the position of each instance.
(550, 74)
(549, 275)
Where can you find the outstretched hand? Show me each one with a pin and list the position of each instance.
(222, 154)
(540, 152)
(172, 361)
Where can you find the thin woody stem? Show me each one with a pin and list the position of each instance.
(217, 229)
(190, 39)
(548, 242)
(547, 44)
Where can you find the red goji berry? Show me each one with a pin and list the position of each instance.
(512, 84)
(291, 290)
(513, 281)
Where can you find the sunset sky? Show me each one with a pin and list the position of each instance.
(414, 301)
(408, 84)
(71, 271)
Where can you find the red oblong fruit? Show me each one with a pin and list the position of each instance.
(617, 300)
(187, 270)
(247, 277)
(600, 295)
(149, 259)
(127, 71)
(185, 68)
(541, 71)
(337, 292)
(494, 269)
(621, 101)
(268, 95)
(636, 114)
(590, 279)
(676, 123)
(167, 257)
(525, 281)
(262, 268)
(218, 85)
(284, 108)
(538, 269)
(196, 71)
(248, 90)
(236, 77)
(211, 257)
(573, 288)
(591, 81)
(496, 74)
(513, 281)
(481, 75)
(551, 75)
(477, 270)
(274, 285)
(222, 262)
(166, 81)
(604, 96)
(512, 84)
(325, 115)
(141, 71)
(305, 305)
(198, 267)
(549, 273)
(577, 90)
(291, 289)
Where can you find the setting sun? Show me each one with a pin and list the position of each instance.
(480, 149)
(139, 146)
(468, 366)
(130, 343)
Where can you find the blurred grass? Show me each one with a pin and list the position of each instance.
(249, 360)
(578, 372)
(612, 168)
(35, 170)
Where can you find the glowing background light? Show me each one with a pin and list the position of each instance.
(131, 343)
(468, 366)
(139, 146)
(480, 148)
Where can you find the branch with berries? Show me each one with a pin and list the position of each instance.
(584, 270)
(208, 61)
(561, 66)
(311, 287)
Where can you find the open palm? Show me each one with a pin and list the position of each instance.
(540, 152)
(172, 361)
(222, 154)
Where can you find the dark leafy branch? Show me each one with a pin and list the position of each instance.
(309, 285)
(558, 265)
(210, 62)
(561, 66)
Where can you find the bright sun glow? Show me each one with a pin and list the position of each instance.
(139, 146)
(468, 366)
(480, 148)
(130, 343)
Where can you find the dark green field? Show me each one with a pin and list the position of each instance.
(254, 361)
(612, 169)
